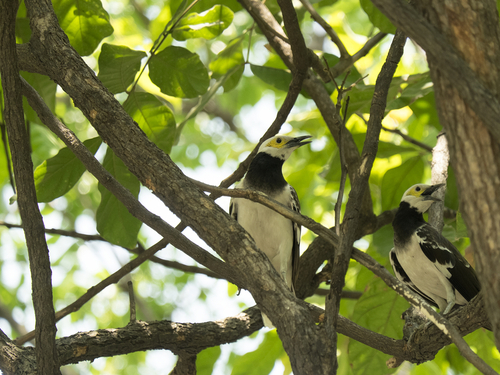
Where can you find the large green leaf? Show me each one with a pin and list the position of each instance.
(114, 222)
(153, 117)
(85, 22)
(397, 180)
(278, 78)
(377, 18)
(57, 175)
(118, 66)
(228, 58)
(47, 90)
(206, 25)
(206, 359)
(179, 72)
(260, 361)
(379, 309)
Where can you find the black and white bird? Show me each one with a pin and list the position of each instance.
(277, 236)
(424, 259)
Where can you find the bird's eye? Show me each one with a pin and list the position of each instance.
(418, 188)
(278, 140)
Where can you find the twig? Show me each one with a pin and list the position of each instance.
(96, 289)
(409, 139)
(329, 30)
(131, 296)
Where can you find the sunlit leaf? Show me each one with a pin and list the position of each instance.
(377, 18)
(206, 25)
(153, 117)
(118, 66)
(228, 58)
(57, 175)
(114, 222)
(85, 22)
(206, 359)
(260, 361)
(179, 72)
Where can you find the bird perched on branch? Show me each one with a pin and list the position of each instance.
(277, 236)
(425, 260)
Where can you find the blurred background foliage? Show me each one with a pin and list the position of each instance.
(201, 81)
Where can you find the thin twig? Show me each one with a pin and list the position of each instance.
(96, 289)
(329, 30)
(131, 296)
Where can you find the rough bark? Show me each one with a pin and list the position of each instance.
(472, 28)
(46, 354)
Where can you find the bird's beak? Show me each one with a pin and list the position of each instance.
(298, 141)
(427, 194)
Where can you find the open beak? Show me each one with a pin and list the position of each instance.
(427, 194)
(298, 141)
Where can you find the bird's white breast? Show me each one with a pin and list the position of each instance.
(272, 232)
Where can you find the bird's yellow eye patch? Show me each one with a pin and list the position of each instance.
(416, 191)
(277, 143)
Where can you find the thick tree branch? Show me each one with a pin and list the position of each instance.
(359, 184)
(46, 354)
(129, 201)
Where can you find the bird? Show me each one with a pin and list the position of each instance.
(424, 260)
(277, 236)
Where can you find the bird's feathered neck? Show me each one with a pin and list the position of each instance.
(406, 221)
(264, 174)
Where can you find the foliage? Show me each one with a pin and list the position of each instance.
(203, 84)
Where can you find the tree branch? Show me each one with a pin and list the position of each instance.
(46, 354)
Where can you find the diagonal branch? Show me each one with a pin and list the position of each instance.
(340, 261)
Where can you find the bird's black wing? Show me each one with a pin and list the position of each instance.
(405, 279)
(295, 206)
(233, 209)
(449, 261)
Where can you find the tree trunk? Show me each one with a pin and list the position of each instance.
(472, 28)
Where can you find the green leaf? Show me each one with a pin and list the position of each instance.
(377, 18)
(153, 117)
(85, 22)
(114, 222)
(57, 175)
(379, 309)
(47, 90)
(397, 180)
(206, 359)
(228, 58)
(387, 149)
(262, 360)
(179, 72)
(206, 25)
(203, 101)
(278, 78)
(418, 85)
(118, 66)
